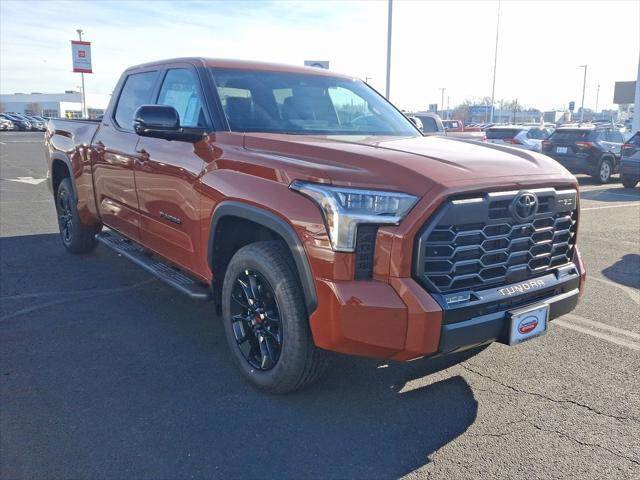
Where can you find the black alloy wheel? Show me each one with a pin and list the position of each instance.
(65, 216)
(255, 319)
(76, 237)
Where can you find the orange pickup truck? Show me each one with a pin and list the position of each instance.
(315, 216)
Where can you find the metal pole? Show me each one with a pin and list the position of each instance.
(84, 100)
(495, 64)
(635, 126)
(389, 23)
(442, 89)
(448, 109)
(584, 85)
(597, 97)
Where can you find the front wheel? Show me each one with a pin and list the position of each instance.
(604, 171)
(76, 237)
(265, 319)
(629, 181)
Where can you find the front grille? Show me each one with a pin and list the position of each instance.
(475, 242)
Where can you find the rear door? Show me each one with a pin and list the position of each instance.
(167, 172)
(615, 140)
(114, 155)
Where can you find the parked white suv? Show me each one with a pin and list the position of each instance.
(521, 136)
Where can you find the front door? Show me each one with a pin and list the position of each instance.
(114, 156)
(167, 172)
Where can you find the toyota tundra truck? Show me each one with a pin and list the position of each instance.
(315, 216)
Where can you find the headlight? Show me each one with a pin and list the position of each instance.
(345, 208)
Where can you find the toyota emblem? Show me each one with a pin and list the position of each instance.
(524, 207)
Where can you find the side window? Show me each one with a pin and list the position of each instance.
(347, 105)
(136, 91)
(429, 124)
(180, 91)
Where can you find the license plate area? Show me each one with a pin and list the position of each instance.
(561, 149)
(527, 323)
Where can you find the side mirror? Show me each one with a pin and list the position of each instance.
(163, 121)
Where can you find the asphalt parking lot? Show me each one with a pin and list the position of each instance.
(108, 373)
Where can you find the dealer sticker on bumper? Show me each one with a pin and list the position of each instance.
(528, 323)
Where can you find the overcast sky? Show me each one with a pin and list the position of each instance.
(435, 43)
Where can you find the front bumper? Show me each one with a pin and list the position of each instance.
(630, 167)
(400, 320)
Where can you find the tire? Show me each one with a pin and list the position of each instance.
(629, 181)
(604, 171)
(76, 238)
(296, 361)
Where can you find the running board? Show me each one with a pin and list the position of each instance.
(154, 265)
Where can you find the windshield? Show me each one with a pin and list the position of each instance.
(277, 102)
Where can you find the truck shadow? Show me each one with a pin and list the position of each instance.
(625, 271)
(106, 373)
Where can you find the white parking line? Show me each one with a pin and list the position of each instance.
(633, 294)
(603, 326)
(610, 206)
(602, 336)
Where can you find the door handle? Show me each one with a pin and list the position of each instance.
(99, 147)
(143, 156)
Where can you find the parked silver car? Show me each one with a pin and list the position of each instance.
(6, 124)
(521, 136)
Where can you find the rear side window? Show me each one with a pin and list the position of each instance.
(137, 90)
(635, 140)
(537, 134)
(616, 137)
(180, 91)
(502, 133)
(429, 124)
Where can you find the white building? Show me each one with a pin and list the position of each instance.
(67, 104)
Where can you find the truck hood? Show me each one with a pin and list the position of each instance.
(410, 164)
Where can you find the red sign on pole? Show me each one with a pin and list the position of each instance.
(81, 56)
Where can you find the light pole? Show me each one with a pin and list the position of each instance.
(495, 63)
(597, 98)
(442, 89)
(366, 79)
(389, 22)
(635, 126)
(584, 85)
(84, 99)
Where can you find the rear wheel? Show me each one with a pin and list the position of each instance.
(629, 181)
(604, 171)
(76, 238)
(265, 319)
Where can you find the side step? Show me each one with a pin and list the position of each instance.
(154, 265)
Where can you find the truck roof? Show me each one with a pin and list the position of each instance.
(243, 64)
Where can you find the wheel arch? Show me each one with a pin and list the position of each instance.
(281, 229)
(60, 169)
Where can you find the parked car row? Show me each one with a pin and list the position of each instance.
(597, 149)
(431, 124)
(22, 122)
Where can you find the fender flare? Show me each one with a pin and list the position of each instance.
(278, 225)
(64, 159)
